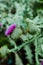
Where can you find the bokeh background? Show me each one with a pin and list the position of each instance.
(21, 32)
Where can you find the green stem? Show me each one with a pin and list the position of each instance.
(24, 44)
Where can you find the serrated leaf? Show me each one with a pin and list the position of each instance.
(18, 60)
(40, 45)
(28, 53)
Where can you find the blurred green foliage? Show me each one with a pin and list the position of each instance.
(28, 17)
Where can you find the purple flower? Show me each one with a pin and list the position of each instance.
(10, 29)
(0, 24)
(41, 62)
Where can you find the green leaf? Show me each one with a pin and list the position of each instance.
(18, 60)
(4, 50)
(28, 53)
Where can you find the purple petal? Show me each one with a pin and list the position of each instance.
(10, 29)
(0, 24)
(41, 62)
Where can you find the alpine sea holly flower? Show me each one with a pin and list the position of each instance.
(10, 29)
